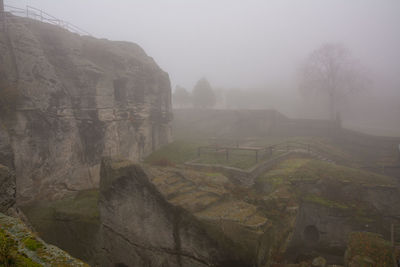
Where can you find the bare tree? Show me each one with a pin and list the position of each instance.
(331, 70)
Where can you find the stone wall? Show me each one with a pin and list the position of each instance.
(79, 98)
(247, 123)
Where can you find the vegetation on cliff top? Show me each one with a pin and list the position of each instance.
(20, 247)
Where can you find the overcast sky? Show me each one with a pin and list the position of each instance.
(241, 43)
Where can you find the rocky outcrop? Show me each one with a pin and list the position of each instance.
(139, 227)
(78, 99)
(21, 247)
(331, 210)
(7, 189)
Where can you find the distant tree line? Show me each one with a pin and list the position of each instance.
(202, 96)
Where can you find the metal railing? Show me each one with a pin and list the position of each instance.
(40, 15)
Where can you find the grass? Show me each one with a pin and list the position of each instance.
(184, 150)
(306, 169)
(241, 159)
(177, 152)
(32, 244)
(283, 172)
(325, 202)
(316, 170)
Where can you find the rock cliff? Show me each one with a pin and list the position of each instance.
(7, 189)
(72, 100)
(139, 227)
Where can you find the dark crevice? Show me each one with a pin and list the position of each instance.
(158, 249)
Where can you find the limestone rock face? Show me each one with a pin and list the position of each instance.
(79, 98)
(141, 228)
(7, 189)
(6, 154)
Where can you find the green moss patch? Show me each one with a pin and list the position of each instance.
(325, 202)
(303, 169)
(32, 244)
(177, 152)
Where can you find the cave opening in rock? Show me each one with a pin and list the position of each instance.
(311, 234)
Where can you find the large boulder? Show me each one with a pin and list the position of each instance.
(139, 227)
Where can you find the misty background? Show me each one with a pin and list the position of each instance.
(254, 48)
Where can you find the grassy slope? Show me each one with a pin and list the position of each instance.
(303, 169)
(176, 152)
(181, 151)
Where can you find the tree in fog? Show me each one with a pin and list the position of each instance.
(181, 97)
(203, 94)
(331, 70)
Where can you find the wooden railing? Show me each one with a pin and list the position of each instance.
(286, 146)
(40, 15)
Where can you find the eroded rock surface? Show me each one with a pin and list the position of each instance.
(79, 98)
(208, 196)
(7, 189)
(143, 227)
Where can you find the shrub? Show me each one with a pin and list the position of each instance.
(32, 244)
(7, 252)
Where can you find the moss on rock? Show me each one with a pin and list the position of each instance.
(20, 247)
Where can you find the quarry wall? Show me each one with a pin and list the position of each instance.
(75, 99)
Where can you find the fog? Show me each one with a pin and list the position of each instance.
(256, 45)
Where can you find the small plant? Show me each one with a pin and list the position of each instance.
(32, 244)
(7, 253)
